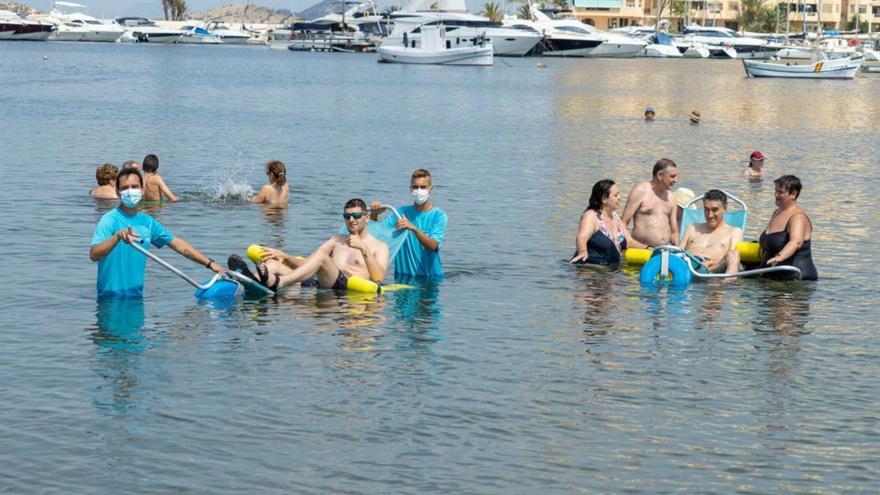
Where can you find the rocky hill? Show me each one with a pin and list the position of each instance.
(249, 14)
(18, 7)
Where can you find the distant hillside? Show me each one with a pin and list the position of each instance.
(18, 7)
(249, 14)
(323, 8)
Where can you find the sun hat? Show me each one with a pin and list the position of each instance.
(756, 155)
(695, 116)
(683, 196)
(649, 108)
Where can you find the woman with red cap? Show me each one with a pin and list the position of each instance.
(755, 170)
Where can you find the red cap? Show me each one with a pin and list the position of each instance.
(757, 155)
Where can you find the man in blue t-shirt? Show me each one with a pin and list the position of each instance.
(121, 267)
(420, 253)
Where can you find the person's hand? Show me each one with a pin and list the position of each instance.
(272, 254)
(127, 236)
(579, 257)
(774, 261)
(354, 242)
(217, 267)
(404, 224)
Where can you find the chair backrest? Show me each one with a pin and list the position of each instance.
(736, 218)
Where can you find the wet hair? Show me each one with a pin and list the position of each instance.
(105, 173)
(277, 171)
(419, 173)
(355, 203)
(601, 190)
(129, 171)
(662, 165)
(151, 164)
(715, 195)
(789, 183)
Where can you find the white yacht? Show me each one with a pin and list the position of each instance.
(718, 39)
(462, 28)
(437, 49)
(614, 45)
(557, 40)
(15, 27)
(227, 35)
(74, 24)
(197, 35)
(141, 30)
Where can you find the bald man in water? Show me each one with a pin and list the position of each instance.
(651, 207)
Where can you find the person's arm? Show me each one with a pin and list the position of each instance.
(673, 223)
(100, 250)
(588, 226)
(187, 250)
(732, 253)
(425, 240)
(261, 197)
(374, 267)
(633, 201)
(630, 242)
(375, 210)
(686, 237)
(797, 232)
(163, 189)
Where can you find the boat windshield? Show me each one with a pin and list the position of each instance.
(573, 29)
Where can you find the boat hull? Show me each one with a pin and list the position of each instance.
(86, 35)
(655, 50)
(452, 56)
(839, 68)
(25, 31)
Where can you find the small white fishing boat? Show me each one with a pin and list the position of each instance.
(437, 49)
(661, 47)
(820, 67)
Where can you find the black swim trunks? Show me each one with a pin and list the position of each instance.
(341, 282)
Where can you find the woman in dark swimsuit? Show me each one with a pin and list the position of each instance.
(601, 236)
(786, 240)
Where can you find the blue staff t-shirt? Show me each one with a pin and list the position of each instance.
(414, 259)
(121, 272)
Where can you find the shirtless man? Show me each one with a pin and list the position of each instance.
(343, 255)
(652, 208)
(714, 240)
(154, 186)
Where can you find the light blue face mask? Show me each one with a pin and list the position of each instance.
(131, 197)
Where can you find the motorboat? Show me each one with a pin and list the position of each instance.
(560, 38)
(720, 40)
(819, 67)
(460, 25)
(197, 35)
(141, 30)
(327, 37)
(16, 27)
(437, 48)
(609, 44)
(662, 47)
(74, 24)
(693, 49)
(227, 35)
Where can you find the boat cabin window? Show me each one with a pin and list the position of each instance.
(573, 29)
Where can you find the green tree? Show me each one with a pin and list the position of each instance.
(175, 10)
(749, 13)
(493, 11)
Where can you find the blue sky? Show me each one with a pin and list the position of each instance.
(153, 8)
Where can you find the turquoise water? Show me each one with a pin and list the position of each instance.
(516, 374)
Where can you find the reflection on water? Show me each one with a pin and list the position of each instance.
(786, 308)
(119, 336)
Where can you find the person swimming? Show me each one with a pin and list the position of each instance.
(105, 175)
(787, 238)
(755, 171)
(602, 236)
(276, 192)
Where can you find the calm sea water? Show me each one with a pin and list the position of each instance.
(518, 373)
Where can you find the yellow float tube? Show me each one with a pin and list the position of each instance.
(355, 283)
(749, 252)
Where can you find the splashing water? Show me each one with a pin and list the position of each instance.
(229, 184)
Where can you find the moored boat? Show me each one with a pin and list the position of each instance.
(437, 49)
(821, 67)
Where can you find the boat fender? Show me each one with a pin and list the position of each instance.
(679, 275)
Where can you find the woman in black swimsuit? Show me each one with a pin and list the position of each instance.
(601, 236)
(786, 240)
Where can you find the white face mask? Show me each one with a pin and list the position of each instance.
(131, 197)
(421, 196)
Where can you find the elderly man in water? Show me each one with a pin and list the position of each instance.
(715, 241)
(651, 207)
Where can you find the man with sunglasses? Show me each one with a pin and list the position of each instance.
(342, 256)
(120, 267)
(419, 255)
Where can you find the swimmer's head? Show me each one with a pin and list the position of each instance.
(695, 117)
(106, 173)
(151, 164)
(131, 164)
(649, 113)
(666, 172)
(355, 215)
(602, 192)
(277, 172)
(756, 160)
(789, 184)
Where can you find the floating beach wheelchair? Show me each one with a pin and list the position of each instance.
(673, 266)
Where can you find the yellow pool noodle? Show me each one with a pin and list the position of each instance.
(360, 284)
(255, 253)
(749, 252)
